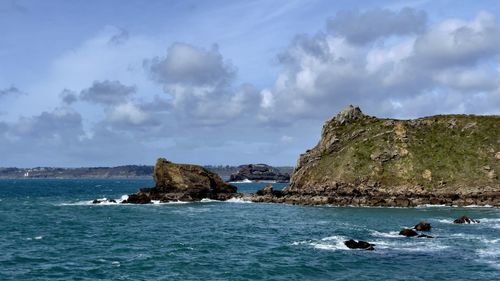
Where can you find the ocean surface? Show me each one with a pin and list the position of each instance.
(50, 231)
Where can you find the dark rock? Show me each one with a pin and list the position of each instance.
(268, 190)
(139, 198)
(408, 232)
(352, 244)
(183, 182)
(99, 201)
(423, 226)
(259, 172)
(465, 219)
(424, 236)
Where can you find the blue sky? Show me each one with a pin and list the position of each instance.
(86, 83)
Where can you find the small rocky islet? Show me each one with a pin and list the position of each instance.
(259, 172)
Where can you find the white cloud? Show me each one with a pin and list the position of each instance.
(128, 113)
(403, 75)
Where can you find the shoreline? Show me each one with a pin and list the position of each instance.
(487, 200)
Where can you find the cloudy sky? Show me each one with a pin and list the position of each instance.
(104, 83)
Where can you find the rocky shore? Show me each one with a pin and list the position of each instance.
(362, 195)
(366, 161)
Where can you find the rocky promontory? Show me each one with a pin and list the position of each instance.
(259, 172)
(364, 160)
(182, 182)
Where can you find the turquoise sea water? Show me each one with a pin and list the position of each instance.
(49, 231)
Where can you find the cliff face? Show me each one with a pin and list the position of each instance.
(445, 159)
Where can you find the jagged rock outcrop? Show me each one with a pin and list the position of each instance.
(423, 226)
(182, 182)
(364, 160)
(353, 244)
(465, 219)
(259, 172)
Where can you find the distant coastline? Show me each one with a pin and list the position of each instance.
(118, 172)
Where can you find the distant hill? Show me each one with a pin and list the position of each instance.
(128, 171)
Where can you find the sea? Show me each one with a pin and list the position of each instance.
(50, 230)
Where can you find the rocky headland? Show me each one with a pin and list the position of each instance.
(364, 160)
(259, 172)
(182, 182)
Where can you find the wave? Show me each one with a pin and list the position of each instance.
(35, 238)
(331, 243)
(391, 234)
(242, 181)
(238, 200)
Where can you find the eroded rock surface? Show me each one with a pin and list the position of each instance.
(182, 182)
(364, 160)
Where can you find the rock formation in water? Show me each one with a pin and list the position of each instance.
(353, 244)
(182, 182)
(259, 172)
(364, 160)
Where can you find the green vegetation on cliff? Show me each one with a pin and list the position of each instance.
(444, 152)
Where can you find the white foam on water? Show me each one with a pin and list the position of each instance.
(447, 221)
(104, 202)
(390, 234)
(243, 181)
(207, 200)
(331, 243)
(34, 238)
(490, 222)
(238, 200)
(414, 244)
(478, 206)
(431, 206)
(116, 263)
(490, 256)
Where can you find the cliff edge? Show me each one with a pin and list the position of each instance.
(364, 160)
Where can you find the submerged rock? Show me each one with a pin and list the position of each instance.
(465, 219)
(259, 172)
(353, 244)
(423, 226)
(408, 232)
(182, 182)
(99, 201)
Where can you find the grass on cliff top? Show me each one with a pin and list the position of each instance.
(438, 151)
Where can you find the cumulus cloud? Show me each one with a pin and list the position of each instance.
(189, 65)
(451, 66)
(107, 92)
(363, 27)
(63, 124)
(200, 87)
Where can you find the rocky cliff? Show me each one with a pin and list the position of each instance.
(259, 172)
(363, 160)
(182, 182)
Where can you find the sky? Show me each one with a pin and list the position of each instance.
(110, 82)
